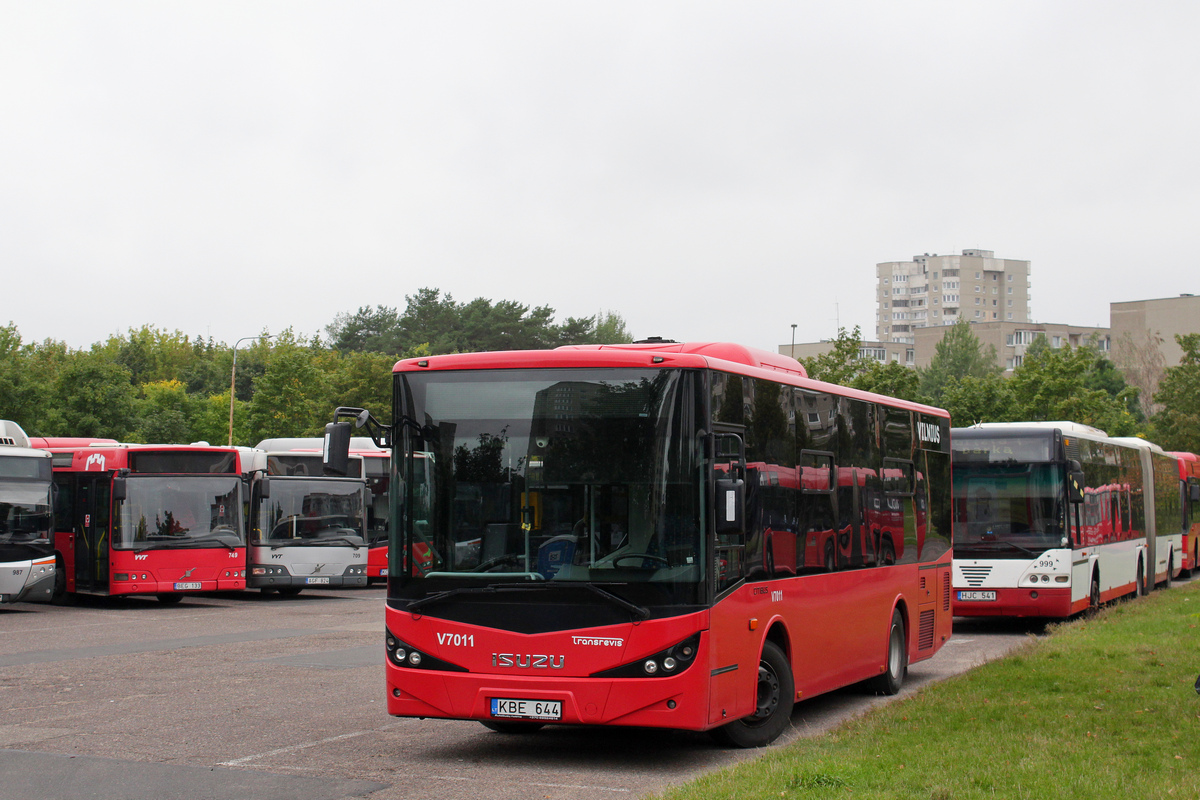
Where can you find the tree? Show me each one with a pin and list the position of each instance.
(971, 399)
(892, 379)
(958, 355)
(166, 414)
(373, 330)
(1177, 425)
(92, 397)
(1142, 363)
(1052, 384)
(289, 397)
(843, 363)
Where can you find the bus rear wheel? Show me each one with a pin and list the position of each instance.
(892, 679)
(1094, 594)
(773, 712)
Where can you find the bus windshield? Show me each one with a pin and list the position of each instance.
(1008, 510)
(567, 476)
(185, 511)
(24, 512)
(311, 512)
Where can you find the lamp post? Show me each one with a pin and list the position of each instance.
(233, 377)
(793, 340)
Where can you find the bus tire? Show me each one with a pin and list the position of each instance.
(289, 591)
(61, 596)
(1170, 567)
(505, 726)
(776, 692)
(169, 599)
(1140, 580)
(892, 678)
(1094, 594)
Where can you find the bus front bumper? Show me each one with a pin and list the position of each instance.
(1025, 602)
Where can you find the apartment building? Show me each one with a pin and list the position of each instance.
(933, 290)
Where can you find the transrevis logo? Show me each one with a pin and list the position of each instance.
(597, 641)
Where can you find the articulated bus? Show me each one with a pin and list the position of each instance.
(26, 519)
(688, 536)
(1189, 473)
(134, 519)
(306, 530)
(1054, 518)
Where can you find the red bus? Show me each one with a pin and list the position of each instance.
(1189, 473)
(621, 535)
(159, 520)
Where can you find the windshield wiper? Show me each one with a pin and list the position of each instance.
(641, 612)
(327, 541)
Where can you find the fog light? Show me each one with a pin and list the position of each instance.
(651, 667)
(414, 658)
(669, 664)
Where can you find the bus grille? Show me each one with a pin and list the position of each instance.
(925, 632)
(946, 590)
(975, 576)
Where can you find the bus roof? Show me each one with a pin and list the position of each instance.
(721, 356)
(990, 428)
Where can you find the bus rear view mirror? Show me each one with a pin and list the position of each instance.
(1075, 482)
(264, 487)
(731, 505)
(1194, 492)
(118, 488)
(335, 454)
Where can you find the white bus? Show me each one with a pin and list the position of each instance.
(1053, 518)
(26, 519)
(305, 530)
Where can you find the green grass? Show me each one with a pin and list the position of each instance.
(1101, 708)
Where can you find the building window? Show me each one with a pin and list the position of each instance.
(1010, 290)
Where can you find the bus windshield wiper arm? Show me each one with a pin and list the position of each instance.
(641, 612)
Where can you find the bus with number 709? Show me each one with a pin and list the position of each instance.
(690, 536)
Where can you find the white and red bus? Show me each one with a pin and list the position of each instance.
(26, 519)
(1189, 473)
(1054, 518)
(160, 520)
(623, 535)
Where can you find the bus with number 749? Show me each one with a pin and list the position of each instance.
(160, 520)
(690, 536)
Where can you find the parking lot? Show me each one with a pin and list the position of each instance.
(256, 697)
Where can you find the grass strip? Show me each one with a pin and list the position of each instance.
(1102, 707)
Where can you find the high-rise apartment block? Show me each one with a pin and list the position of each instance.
(935, 290)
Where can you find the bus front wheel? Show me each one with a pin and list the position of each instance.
(773, 712)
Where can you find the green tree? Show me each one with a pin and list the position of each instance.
(971, 399)
(843, 363)
(1177, 425)
(958, 355)
(892, 379)
(1052, 384)
(93, 397)
(368, 330)
(166, 414)
(290, 397)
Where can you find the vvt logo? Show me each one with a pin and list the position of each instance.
(94, 458)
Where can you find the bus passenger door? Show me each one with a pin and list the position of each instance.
(91, 533)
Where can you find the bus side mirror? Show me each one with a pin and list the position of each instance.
(335, 455)
(731, 506)
(264, 487)
(119, 489)
(1194, 492)
(1075, 481)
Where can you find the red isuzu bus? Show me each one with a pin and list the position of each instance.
(689, 536)
(162, 520)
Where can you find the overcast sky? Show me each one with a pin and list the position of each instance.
(709, 171)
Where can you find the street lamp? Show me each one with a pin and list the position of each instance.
(233, 377)
(793, 340)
